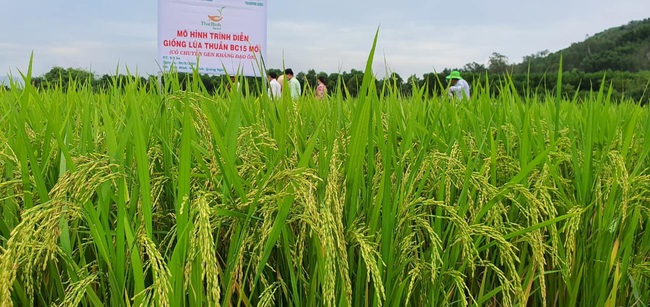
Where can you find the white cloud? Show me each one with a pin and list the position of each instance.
(416, 46)
(415, 37)
(128, 30)
(101, 57)
(409, 48)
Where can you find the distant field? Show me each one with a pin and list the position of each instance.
(141, 196)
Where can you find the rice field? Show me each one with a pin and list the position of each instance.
(156, 196)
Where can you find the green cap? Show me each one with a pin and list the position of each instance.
(454, 75)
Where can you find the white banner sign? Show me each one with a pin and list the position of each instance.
(225, 35)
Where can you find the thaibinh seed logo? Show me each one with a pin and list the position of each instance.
(214, 21)
(218, 17)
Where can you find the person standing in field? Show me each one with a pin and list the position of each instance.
(281, 81)
(321, 89)
(235, 82)
(294, 84)
(459, 87)
(275, 91)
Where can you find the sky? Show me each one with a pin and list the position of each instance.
(415, 37)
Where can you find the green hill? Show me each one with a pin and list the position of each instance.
(623, 48)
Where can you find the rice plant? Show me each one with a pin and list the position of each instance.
(152, 195)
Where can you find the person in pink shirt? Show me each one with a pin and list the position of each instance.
(321, 89)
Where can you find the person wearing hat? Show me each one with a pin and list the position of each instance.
(459, 87)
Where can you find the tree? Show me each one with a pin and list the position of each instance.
(498, 63)
(310, 78)
(302, 77)
(209, 82)
(354, 84)
(105, 82)
(396, 80)
(58, 76)
(37, 82)
(333, 81)
(474, 68)
(434, 82)
(539, 55)
(412, 82)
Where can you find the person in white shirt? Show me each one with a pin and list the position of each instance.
(459, 88)
(275, 90)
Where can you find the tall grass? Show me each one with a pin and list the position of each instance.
(157, 196)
